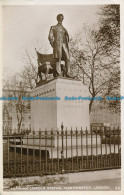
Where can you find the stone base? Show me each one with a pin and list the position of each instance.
(47, 114)
(54, 147)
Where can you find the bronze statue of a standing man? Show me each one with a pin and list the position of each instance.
(59, 38)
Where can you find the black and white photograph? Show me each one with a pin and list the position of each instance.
(61, 97)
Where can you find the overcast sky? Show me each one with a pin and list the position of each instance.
(25, 24)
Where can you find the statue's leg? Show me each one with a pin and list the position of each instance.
(68, 67)
(58, 67)
(67, 59)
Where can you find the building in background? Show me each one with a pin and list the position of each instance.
(106, 116)
(16, 117)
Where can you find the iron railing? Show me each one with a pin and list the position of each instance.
(65, 151)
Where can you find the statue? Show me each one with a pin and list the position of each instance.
(52, 63)
(59, 38)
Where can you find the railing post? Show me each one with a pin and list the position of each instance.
(101, 136)
(72, 148)
(87, 146)
(91, 149)
(106, 148)
(114, 147)
(21, 153)
(52, 148)
(66, 149)
(110, 144)
(27, 155)
(58, 149)
(8, 153)
(82, 148)
(40, 148)
(119, 150)
(14, 155)
(46, 149)
(96, 151)
(77, 145)
(62, 152)
(62, 127)
(33, 152)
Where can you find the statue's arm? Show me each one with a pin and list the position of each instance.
(51, 37)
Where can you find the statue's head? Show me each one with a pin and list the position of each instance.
(60, 18)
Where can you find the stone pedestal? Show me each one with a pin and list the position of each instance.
(47, 114)
(50, 114)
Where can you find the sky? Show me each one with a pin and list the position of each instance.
(24, 25)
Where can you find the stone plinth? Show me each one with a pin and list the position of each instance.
(71, 146)
(47, 114)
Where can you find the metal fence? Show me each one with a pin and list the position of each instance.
(65, 151)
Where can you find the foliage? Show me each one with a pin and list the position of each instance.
(15, 87)
(96, 56)
(110, 26)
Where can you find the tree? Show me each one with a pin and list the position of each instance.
(29, 73)
(23, 83)
(110, 27)
(92, 63)
(109, 33)
(15, 87)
